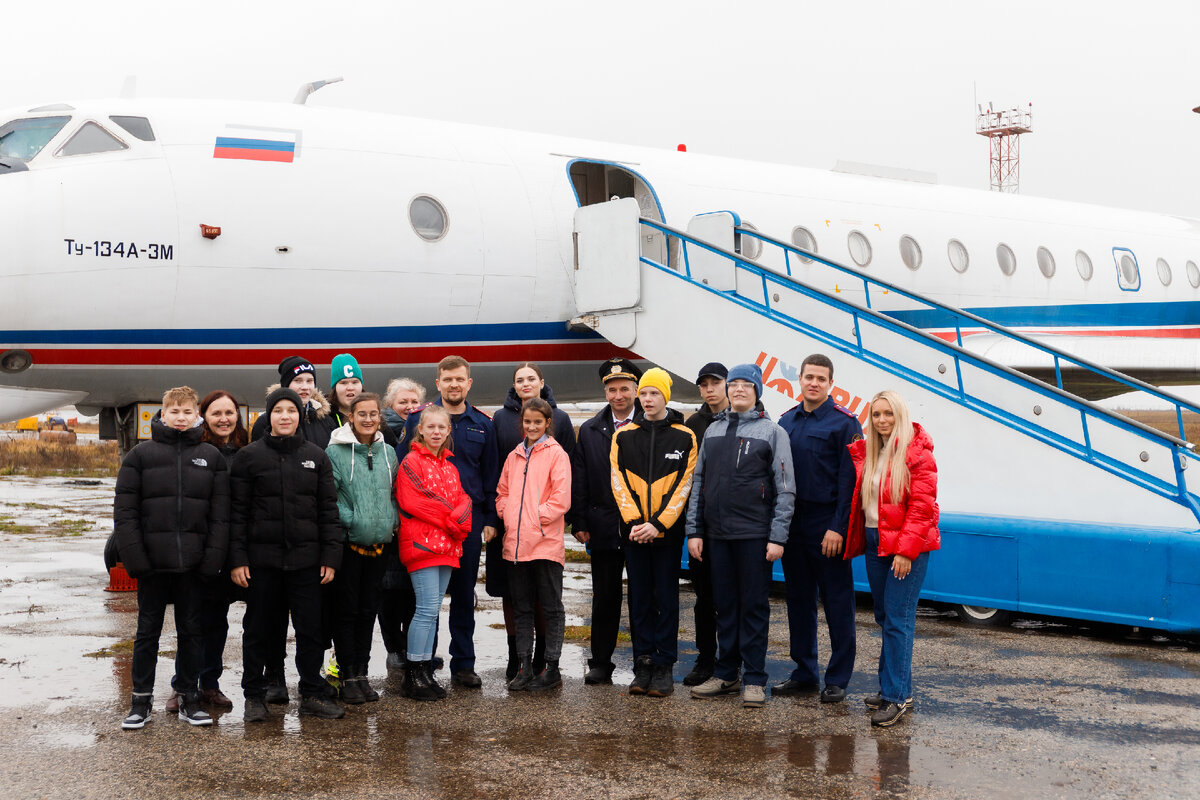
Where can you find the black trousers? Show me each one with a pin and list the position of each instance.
(653, 601)
(607, 568)
(397, 602)
(274, 593)
(531, 583)
(358, 585)
(154, 592)
(700, 574)
(216, 595)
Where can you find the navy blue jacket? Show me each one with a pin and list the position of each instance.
(593, 507)
(475, 456)
(824, 469)
(509, 433)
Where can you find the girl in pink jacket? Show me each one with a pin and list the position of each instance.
(532, 498)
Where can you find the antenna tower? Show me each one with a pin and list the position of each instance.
(1004, 129)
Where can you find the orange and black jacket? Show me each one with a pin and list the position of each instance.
(652, 464)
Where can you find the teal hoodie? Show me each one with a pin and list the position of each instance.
(365, 487)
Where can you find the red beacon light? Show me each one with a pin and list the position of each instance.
(681, 148)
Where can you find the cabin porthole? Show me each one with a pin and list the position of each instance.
(428, 218)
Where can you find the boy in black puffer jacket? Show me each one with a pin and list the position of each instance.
(171, 517)
(285, 543)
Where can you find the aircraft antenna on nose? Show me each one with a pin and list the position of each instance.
(309, 88)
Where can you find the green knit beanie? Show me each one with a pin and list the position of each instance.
(344, 366)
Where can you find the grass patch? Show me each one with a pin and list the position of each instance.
(1166, 422)
(578, 556)
(583, 633)
(37, 459)
(71, 527)
(8, 526)
(119, 649)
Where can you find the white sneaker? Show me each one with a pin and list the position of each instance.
(714, 687)
(753, 696)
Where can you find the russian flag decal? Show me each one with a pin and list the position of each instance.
(255, 149)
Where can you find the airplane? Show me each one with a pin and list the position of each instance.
(148, 243)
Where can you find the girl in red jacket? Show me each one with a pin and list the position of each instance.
(435, 517)
(532, 498)
(893, 519)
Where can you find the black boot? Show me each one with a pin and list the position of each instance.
(524, 676)
(417, 684)
(662, 681)
(514, 663)
(363, 684)
(539, 655)
(702, 671)
(643, 669)
(433, 684)
(352, 693)
(549, 678)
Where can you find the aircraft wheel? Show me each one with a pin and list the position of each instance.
(984, 617)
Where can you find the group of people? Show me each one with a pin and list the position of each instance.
(337, 512)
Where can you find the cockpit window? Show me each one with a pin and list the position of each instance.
(139, 127)
(91, 138)
(24, 138)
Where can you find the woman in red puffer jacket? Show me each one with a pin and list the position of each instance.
(893, 520)
(435, 517)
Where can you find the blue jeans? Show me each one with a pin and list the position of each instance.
(896, 612)
(429, 585)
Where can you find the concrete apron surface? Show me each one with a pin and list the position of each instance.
(1035, 710)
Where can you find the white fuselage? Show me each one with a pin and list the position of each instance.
(109, 286)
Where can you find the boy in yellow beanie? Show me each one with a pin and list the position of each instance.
(652, 462)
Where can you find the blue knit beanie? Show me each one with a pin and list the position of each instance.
(747, 372)
(344, 366)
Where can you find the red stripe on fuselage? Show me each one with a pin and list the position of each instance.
(1146, 333)
(254, 155)
(189, 356)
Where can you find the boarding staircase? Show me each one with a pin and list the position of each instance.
(1050, 503)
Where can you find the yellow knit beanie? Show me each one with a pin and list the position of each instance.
(658, 379)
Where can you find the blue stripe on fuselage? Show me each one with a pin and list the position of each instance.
(416, 334)
(1078, 315)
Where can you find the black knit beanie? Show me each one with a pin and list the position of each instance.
(282, 393)
(292, 366)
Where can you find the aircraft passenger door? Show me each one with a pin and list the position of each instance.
(601, 181)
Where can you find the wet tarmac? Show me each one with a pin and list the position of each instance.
(1040, 709)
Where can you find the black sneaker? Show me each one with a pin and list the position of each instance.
(597, 676)
(702, 671)
(277, 693)
(662, 681)
(138, 716)
(876, 701)
(643, 671)
(888, 714)
(191, 713)
(792, 688)
(467, 679)
(255, 710)
(833, 694)
(321, 707)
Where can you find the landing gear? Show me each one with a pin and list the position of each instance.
(983, 617)
(120, 424)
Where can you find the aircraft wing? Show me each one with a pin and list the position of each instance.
(1160, 361)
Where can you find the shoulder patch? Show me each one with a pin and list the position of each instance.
(846, 411)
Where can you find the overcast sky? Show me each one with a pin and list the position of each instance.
(1112, 83)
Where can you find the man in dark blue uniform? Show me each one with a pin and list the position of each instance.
(819, 431)
(479, 470)
(594, 516)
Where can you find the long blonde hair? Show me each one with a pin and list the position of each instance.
(895, 449)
